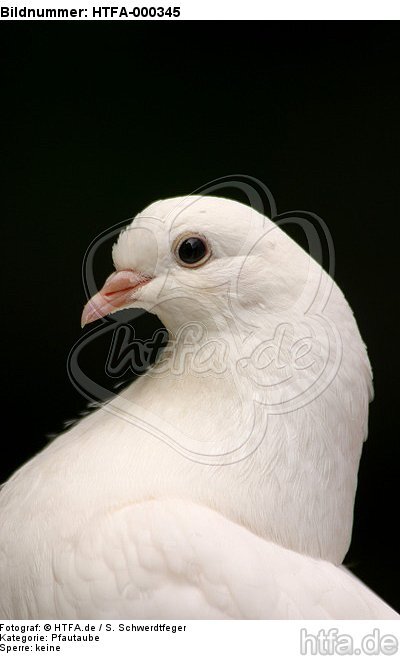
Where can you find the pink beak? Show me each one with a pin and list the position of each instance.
(118, 291)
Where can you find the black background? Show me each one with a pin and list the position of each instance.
(100, 119)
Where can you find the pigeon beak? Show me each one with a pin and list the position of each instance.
(117, 292)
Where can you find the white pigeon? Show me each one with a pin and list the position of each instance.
(220, 484)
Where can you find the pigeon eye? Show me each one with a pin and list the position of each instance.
(192, 250)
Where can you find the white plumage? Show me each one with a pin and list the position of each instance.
(223, 489)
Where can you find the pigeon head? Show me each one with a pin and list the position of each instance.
(288, 409)
(202, 258)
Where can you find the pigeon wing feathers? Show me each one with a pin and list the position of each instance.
(173, 559)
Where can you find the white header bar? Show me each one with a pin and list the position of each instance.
(124, 10)
(200, 638)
